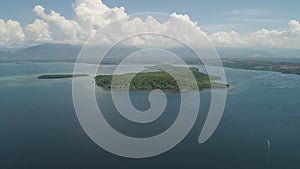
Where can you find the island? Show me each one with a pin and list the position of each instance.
(61, 76)
(147, 81)
(275, 66)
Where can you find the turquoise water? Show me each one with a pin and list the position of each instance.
(39, 127)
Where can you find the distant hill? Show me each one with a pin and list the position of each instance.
(61, 53)
(48, 53)
(69, 53)
(269, 54)
(6, 56)
(244, 53)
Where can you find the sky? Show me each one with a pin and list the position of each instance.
(226, 23)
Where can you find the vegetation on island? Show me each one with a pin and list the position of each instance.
(159, 80)
(276, 66)
(61, 76)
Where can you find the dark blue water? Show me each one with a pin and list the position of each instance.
(39, 128)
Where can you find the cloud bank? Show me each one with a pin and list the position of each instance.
(11, 33)
(92, 15)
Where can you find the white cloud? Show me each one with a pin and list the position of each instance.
(184, 29)
(246, 11)
(96, 13)
(262, 38)
(38, 32)
(295, 26)
(231, 38)
(11, 33)
(252, 16)
(92, 15)
(63, 30)
(266, 37)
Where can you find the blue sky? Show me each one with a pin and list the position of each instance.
(227, 23)
(211, 15)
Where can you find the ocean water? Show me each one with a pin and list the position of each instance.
(39, 128)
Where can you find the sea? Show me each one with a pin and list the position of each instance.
(39, 129)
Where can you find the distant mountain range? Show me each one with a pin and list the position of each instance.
(42, 53)
(69, 53)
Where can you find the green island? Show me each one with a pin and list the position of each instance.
(162, 80)
(276, 66)
(61, 76)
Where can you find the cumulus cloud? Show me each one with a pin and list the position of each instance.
(92, 15)
(262, 38)
(267, 37)
(11, 33)
(38, 32)
(295, 26)
(175, 27)
(227, 38)
(63, 30)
